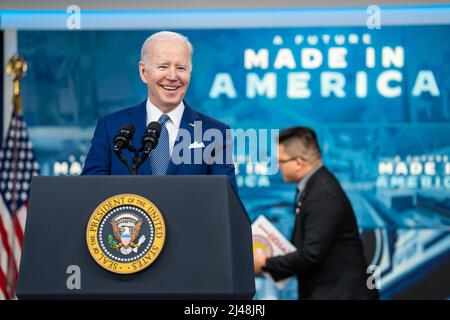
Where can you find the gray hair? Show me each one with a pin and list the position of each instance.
(164, 35)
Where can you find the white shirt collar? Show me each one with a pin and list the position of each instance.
(153, 113)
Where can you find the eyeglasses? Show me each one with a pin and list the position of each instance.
(290, 159)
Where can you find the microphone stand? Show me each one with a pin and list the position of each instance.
(121, 157)
(135, 164)
(146, 149)
(138, 161)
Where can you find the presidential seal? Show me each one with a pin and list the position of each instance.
(125, 233)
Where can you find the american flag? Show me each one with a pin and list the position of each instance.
(17, 166)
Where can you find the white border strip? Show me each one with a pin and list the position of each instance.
(212, 19)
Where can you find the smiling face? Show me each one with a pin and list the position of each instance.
(167, 72)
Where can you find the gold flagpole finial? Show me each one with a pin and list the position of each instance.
(16, 69)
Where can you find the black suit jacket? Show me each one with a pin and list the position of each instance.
(329, 261)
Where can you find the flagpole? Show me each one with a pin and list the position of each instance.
(16, 69)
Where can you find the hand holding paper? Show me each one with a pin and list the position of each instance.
(268, 242)
(259, 260)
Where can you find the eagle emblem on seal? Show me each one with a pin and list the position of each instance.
(126, 228)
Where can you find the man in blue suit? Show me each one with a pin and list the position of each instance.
(165, 66)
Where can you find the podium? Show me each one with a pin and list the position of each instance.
(207, 250)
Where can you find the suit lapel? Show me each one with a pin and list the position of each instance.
(139, 119)
(299, 204)
(189, 117)
(300, 200)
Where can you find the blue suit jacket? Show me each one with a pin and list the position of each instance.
(101, 159)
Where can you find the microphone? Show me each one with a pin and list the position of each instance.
(123, 138)
(150, 137)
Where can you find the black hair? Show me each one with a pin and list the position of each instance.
(291, 137)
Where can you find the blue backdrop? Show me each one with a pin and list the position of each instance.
(379, 101)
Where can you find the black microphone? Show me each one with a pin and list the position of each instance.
(123, 138)
(150, 137)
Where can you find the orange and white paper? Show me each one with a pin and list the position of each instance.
(268, 240)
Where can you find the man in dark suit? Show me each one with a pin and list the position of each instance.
(329, 262)
(165, 66)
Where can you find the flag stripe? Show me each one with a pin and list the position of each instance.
(7, 246)
(8, 265)
(3, 259)
(22, 216)
(4, 234)
(11, 246)
(3, 290)
(18, 231)
(5, 225)
(3, 270)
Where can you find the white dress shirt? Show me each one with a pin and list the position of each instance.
(172, 125)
